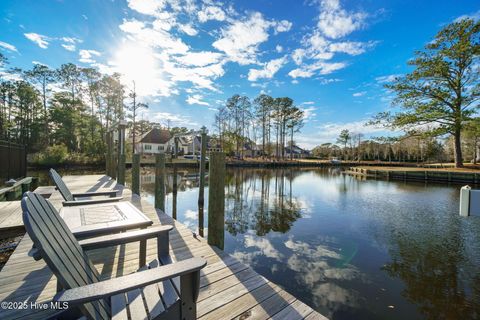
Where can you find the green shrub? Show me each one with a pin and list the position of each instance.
(51, 156)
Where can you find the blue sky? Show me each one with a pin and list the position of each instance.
(187, 57)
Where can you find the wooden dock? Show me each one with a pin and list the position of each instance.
(10, 218)
(417, 174)
(229, 289)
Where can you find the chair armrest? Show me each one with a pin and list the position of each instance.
(108, 288)
(122, 238)
(85, 202)
(112, 193)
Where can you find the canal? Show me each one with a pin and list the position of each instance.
(349, 248)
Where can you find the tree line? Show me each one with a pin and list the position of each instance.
(437, 105)
(241, 122)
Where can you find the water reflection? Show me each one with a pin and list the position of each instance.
(261, 200)
(351, 249)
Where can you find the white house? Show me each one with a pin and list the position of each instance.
(154, 141)
(187, 143)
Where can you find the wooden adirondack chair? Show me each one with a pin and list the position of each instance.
(146, 294)
(74, 199)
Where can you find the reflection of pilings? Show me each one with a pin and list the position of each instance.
(136, 174)
(160, 182)
(174, 193)
(216, 200)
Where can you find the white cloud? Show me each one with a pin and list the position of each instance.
(175, 118)
(359, 94)
(197, 99)
(8, 46)
(475, 16)
(301, 73)
(282, 26)
(211, 13)
(199, 59)
(69, 47)
(321, 67)
(298, 55)
(335, 22)
(188, 29)
(71, 40)
(279, 48)
(387, 78)
(351, 48)
(324, 81)
(154, 37)
(38, 39)
(241, 39)
(87, 55)
(309, 113)
(268, 71)
(329, 132)
(148, 7)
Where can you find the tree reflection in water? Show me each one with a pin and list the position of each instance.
(431, 261)
(260, 200)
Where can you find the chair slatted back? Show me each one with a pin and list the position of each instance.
(61, 186)
(61, 251)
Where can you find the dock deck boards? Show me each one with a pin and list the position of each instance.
(10, 215)
(229, 289)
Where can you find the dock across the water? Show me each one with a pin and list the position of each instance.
(229, 289)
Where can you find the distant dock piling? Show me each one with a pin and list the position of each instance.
(201, 189)
(121, 152)
(160, 182)
(174, 192)
(136, 174)
(216, 200)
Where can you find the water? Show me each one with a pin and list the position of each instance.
(351, 249)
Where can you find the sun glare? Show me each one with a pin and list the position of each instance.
(137, 63)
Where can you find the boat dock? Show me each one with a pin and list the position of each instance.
(229, 289)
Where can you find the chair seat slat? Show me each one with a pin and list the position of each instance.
(136, 305)
(119, 307)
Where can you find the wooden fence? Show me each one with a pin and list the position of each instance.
(13, 161)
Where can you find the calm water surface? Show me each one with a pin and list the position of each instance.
(351, 249)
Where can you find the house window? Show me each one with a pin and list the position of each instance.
(148, 147)
(160, 148)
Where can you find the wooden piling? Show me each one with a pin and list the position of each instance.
(202, 169)
(160, 181)
(107, 154)
(121, 153)
(216, 200)
(174, 193)
(201, 220)
(136, 174)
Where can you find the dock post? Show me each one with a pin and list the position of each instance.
(136, 174)
(160, 181)
(107, 154)
(121, 152)
(216, 200)
(174, 193)
(202, 168)
(465, 201)
(113, 158)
